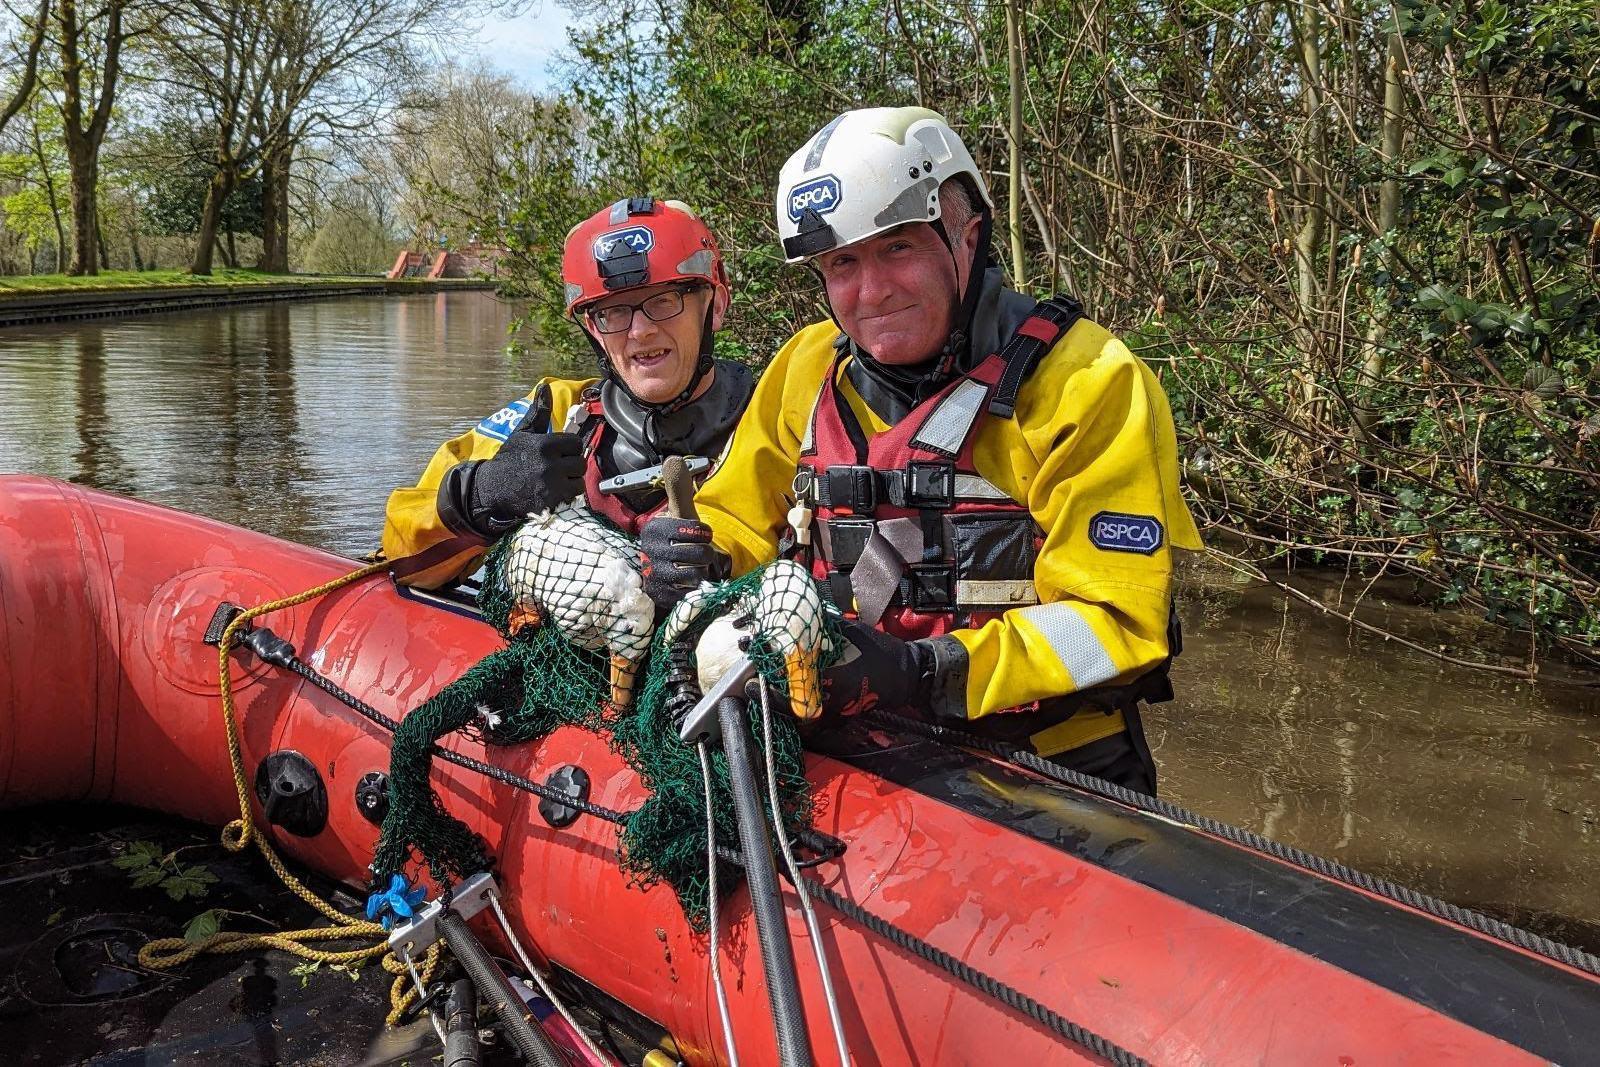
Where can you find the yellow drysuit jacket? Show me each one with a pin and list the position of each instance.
(427, 553)
(1092, 434)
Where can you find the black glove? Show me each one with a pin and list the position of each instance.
(878, 671)
(678, 556)
(533, 471)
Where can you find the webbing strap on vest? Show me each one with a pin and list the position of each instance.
(1039, 332)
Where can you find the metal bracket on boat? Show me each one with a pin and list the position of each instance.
(700, 725)
(469, 898)
(650, 476)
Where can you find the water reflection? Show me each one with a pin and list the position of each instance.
(292, 418)
(297, 419)
(1475, 787)
(97, 460)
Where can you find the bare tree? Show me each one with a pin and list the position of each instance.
(215, 58)
(28, 52)
(266, 74)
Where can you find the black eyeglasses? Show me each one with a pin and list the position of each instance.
(618, 318)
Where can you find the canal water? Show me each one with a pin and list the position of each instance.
(297, 419)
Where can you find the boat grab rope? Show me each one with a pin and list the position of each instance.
(819, 842)
(825, 846)
(165, 953)
(1332, 869)
(989, 986)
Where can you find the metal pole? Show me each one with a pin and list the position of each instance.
(772, 928)
(524, 1033)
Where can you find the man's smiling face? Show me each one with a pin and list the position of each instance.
(895, 294)
(655, 358)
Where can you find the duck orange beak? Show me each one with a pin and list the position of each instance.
(523, 617)
(623, 671)
(805, 683)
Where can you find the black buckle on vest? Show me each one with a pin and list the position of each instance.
(930, 587)
(851, 488)
(839, 590)
(930, 485)
(847, 539)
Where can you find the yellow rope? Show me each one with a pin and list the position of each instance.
(173, 951)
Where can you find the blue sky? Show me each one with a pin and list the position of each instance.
(525, 46)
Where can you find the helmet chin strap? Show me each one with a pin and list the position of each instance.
(957, 344)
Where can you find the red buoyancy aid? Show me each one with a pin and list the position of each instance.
(911, 537)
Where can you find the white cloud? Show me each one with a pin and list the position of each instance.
(526, 46)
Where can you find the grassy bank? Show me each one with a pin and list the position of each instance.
(140, 279)
(133, 280)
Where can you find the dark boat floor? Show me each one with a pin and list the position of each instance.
(72, 922)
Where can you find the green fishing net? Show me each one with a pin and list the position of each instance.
(542, 679)
(665, 839)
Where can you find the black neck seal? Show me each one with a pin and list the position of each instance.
(642, 434)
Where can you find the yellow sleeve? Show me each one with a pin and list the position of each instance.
(746, 502)
(426, 552)
(1093, 454)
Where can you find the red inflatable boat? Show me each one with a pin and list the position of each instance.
(1176, 945)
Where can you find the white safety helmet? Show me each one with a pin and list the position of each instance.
(865, 172)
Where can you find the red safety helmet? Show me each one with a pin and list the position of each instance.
(643, 241)
(638, 241)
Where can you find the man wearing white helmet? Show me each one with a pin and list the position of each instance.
(985, 484)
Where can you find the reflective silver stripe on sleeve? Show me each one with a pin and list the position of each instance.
(1000, 592)
(977, 487)
(1073, 642)
(946, 429)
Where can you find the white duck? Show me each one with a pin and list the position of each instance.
(569, 570)
(784, 609)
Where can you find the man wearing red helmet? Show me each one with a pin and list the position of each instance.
(646, 282)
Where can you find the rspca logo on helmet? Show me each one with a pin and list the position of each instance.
(634, 238)
(1125, 533)
(820, 194)
(499, 425)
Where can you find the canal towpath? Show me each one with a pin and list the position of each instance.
(29, 300)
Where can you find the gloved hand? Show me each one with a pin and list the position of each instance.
(678, 556)
(878, 671)
(533, 471)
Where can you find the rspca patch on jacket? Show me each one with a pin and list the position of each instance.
(822, 194)
(1115, 532)
(499, 425)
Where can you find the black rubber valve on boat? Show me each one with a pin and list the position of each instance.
(292, 794)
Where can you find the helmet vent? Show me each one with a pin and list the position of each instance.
(814, 157)
(933, 140)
